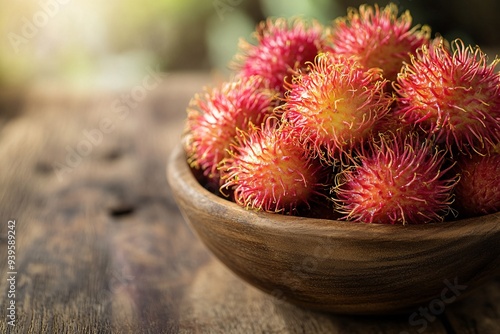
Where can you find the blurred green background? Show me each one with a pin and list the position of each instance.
(109, 44)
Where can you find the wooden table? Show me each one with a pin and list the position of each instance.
(101, 246)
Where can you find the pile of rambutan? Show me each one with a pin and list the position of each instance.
(368, 119)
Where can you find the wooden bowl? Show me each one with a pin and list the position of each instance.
(341, 267)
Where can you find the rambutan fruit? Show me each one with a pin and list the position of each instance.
(392, 123)
(478, 191)
(378, 37)
(283, 46)
(396, 179)
(334, 106)
(269, 170)
(452, 95)
(214, 118)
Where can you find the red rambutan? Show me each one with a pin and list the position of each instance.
(398, 179)
(269, 170)
(214, 118)
(478, 191)
(335, 104)
(392, 123)
(452, 95)
(378, 37)
(282, 47)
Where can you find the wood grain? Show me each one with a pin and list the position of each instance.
(106, 250)
(339, 266)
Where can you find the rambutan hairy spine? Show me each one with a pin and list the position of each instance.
(334, 106)
(282, 46)
(452, 95)
(269, 170)
(396, 179)
(215, 117)
(478, 191)
(378, 37)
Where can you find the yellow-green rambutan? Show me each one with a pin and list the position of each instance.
(335, 104)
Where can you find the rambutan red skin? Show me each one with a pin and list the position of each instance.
(334, 106)
(282, 47)
(396, 180)
(215, 117)
(478, 191)
(392, 123)
(378, 37)
(452, 96)
(269, 170)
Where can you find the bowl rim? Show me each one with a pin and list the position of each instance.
(184, 184)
